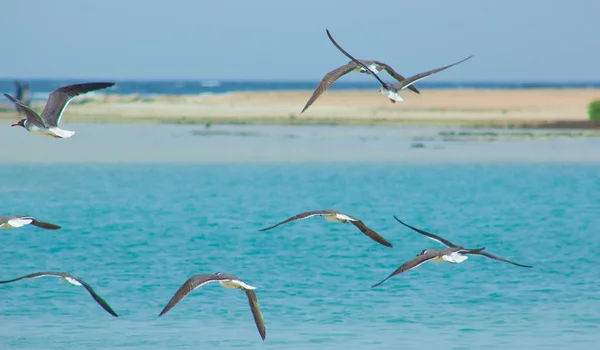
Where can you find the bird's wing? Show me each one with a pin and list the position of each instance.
(436, 238)
(355, 60)
(60, 98)
(411, 80)
(44, 225)
(96, 297)
(409, 265)
(300, 216)
(396, 75)
(491, 256)
(188, 286)
(327, 81)
(258, 317)
(34, 275)
(31, 115)
(370, 233)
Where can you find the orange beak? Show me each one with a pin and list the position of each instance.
(16, 124)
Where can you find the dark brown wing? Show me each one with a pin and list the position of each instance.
(96, 297)
(188, 286)
(44, 225)
(355, 60)
(436, 238)
(396, 75)
(328, 80)
(491, 256)
(258, 317)
(370, 233)
(59, 98)
(409, 81)
(409, 265)
(31, 115)
(34, 275)
(301, 216)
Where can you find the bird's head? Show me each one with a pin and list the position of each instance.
(423, 252)
(20, 123)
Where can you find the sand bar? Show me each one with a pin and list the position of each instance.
(493, 108)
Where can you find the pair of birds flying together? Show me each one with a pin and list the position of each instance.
(391, 91)
(194, 282)
(452, 253)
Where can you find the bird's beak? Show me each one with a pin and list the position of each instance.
(15, 124)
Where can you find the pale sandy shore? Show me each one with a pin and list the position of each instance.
(494, 108)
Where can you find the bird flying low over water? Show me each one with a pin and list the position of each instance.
(335, 216)
(67, 278)
(453, 254)
(22, 220)
(227, 281)
(449, 244)
(392, 91)
(373, 66)
(47, 123)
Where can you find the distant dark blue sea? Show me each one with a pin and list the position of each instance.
(136, 232)
(41, 88)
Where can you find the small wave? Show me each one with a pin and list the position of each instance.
(210, 83)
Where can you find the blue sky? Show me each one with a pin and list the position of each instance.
(512, 40)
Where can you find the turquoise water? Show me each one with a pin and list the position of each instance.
(136, 232)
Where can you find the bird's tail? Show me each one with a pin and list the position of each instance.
(63, 134)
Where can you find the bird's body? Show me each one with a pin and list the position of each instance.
(69, 279)
(12, 221)
(227, 281)
(331, 215)
(47, 122)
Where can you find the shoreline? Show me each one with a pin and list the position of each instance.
(483, 108)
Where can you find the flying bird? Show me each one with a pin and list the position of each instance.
(452, 255)
(22, 220)
(227, 281)
(335, 216)
(68, 278)
(449, 244)
(47, 123)
(392, 91)
(373, 66)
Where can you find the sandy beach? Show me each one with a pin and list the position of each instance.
(454, 107)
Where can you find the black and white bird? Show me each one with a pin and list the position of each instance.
(335, 216)
(373, 66)
(47, 123)
(227, 281)
(69, 279)
(22, 220)
(392, 91)
(453, 254)
(449, 244)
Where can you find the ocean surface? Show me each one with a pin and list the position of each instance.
(136, 232)
(40, 89)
